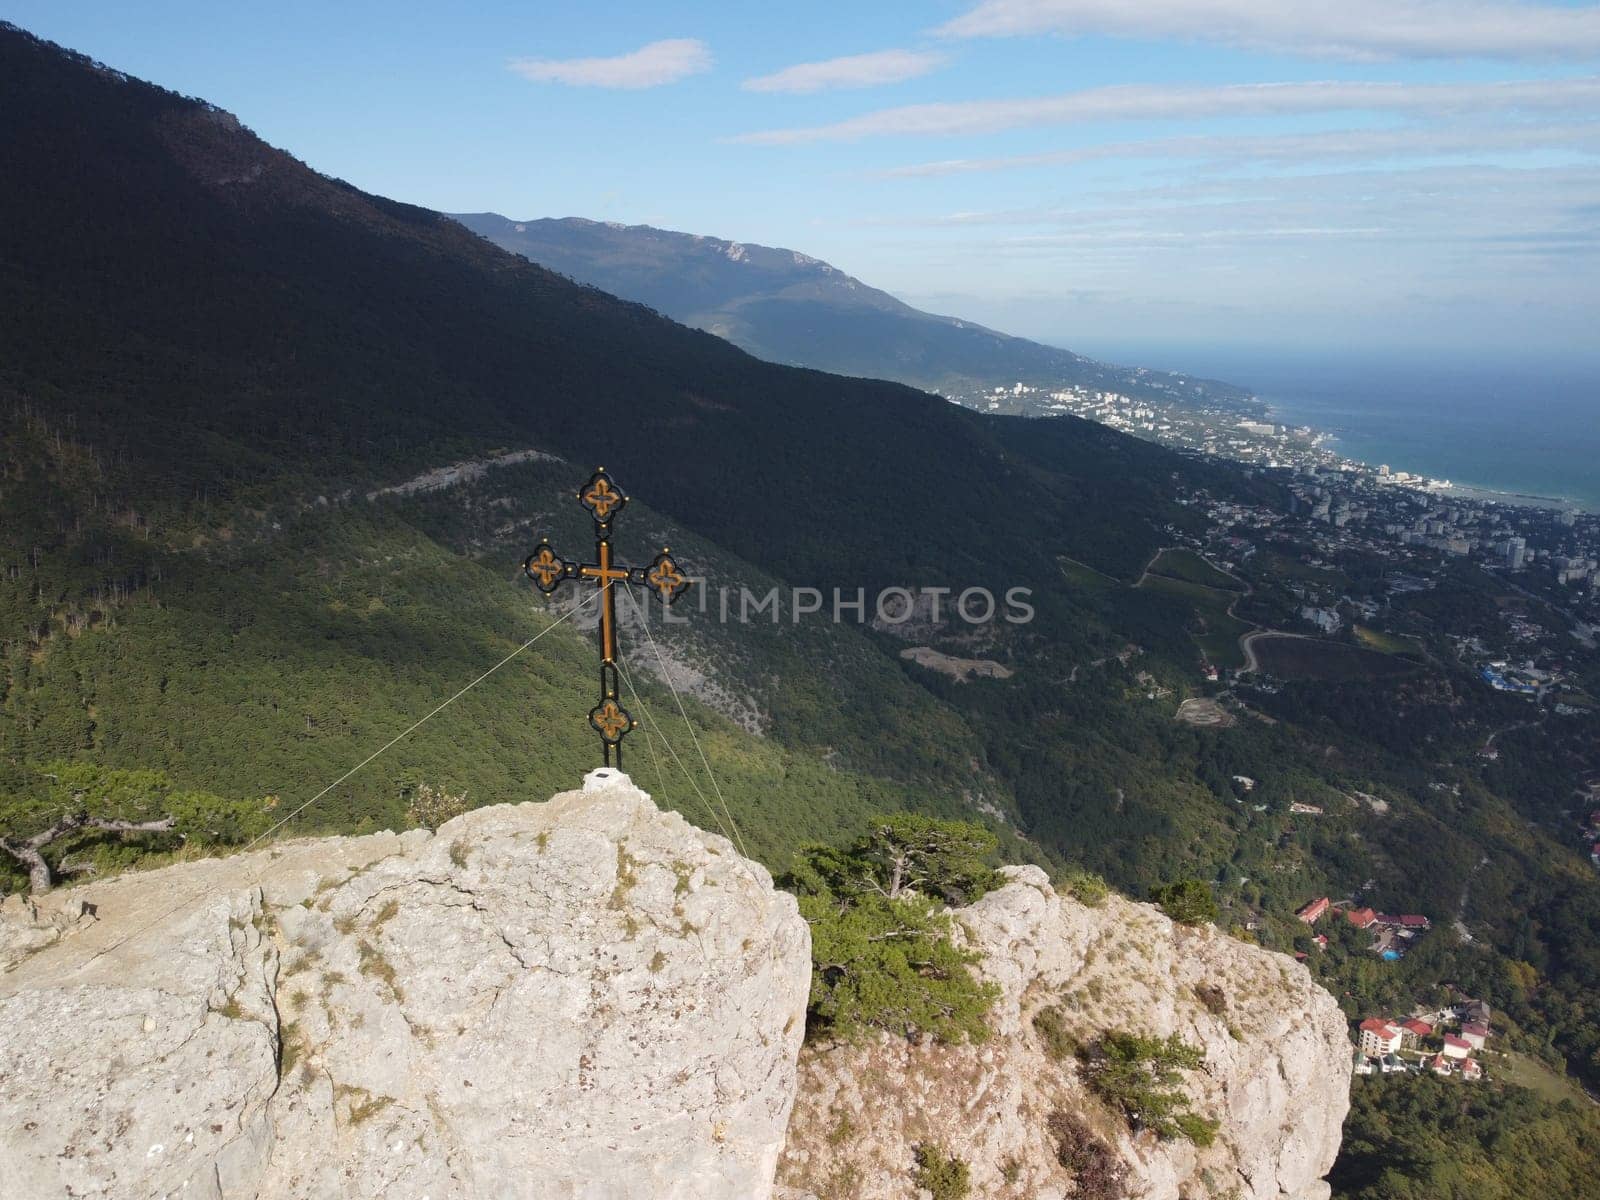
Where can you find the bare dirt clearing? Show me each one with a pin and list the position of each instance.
(1204, 713)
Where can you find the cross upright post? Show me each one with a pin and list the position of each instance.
(548, 570)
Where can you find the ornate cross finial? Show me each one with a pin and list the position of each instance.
(663, 577)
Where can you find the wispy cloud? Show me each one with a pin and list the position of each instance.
(647, 67)
(852, 71)
(1331, 146)
(1359, 29)
(1489, 255)
(1149, 102)
(1428, 205)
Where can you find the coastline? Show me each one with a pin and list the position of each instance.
(1328, 442)
(1521, 499)
(1513, 427)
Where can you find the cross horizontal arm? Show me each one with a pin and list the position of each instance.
(601, 498)
(663, 576)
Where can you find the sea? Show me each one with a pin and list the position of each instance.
(1525, 429)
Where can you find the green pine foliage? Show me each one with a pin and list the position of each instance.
(882, 957)
(1141, 1078)
(1416, 1137)
(889, 965)
(908, 853)
(1086, 887)
(43, 795)
(1188, 901)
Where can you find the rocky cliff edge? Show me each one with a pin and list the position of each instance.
(587, 999)
(1276, 1073)
(590, 999)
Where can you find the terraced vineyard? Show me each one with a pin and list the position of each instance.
(1211, 593)
(1186, 565)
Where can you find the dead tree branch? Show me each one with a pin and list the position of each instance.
(29, 851)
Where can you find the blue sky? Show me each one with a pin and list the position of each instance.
(1395, 174)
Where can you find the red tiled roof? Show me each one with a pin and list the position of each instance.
(1451, 1040)
(1313, 910)
(1475, 1030)
(1420, 1028)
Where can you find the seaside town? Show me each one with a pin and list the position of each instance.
(1513, 533)
(1419, 528)
(1541, 568)
(1340, 568)
(1541, 552)
(1443, 1041)
(1358, 553)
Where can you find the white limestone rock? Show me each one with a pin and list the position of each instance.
(586, 999)
(1276, 1074)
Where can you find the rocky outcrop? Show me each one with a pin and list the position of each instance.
(589, 999)
(1276, 1072)
(585, 999)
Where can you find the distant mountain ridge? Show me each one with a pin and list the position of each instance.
(788, 307)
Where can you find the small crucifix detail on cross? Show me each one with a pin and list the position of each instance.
(663, 577)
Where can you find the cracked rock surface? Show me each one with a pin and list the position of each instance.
(587, 999)
(1276, 1073)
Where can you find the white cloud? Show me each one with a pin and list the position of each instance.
(1150, 102)
(649, 66)
(1360, 29)
(852, 71)
(1354, 144)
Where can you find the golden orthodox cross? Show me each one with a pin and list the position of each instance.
(549, 570)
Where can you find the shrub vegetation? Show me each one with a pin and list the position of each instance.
(945, 1175)
(882, 958)
(1096, 1170)
(1140, 1076)
(1188, 900)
